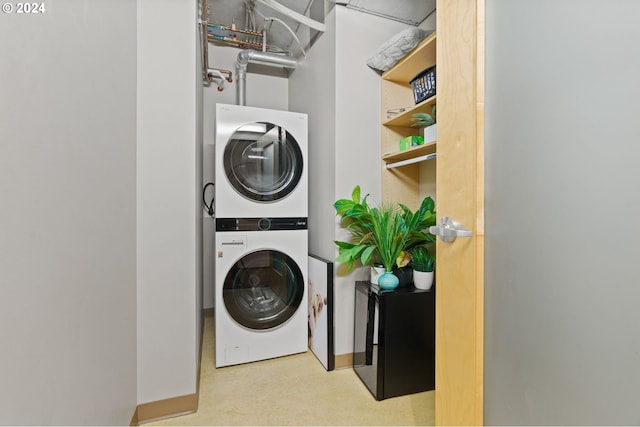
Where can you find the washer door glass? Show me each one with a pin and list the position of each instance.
(263, 162)
(263, 289)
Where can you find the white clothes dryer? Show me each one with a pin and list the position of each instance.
(261, 162)
(261, 289)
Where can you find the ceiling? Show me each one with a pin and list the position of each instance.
(411, 12)
(250, 14)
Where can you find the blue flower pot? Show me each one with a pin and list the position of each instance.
(388, 280)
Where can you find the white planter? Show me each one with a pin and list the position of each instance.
(423, 279)
(429, 133)
(375, 273)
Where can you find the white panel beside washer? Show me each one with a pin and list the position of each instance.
(261, 162)
(255, 293)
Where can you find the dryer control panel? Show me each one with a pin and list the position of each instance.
(260, 224)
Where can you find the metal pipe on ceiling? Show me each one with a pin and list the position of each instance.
(253, 56)
(318, 26)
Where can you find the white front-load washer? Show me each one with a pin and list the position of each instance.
(260, 162)
(261, 289)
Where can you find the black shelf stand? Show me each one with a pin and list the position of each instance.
(394, 339)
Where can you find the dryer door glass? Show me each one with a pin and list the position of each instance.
(263, 162)
(263, 289)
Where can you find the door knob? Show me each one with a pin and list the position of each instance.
(448, 230)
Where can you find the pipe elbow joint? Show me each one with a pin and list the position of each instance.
(243, 58)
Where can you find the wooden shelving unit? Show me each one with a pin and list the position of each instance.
(420, 150)
(414, 61)
(404, 118)
(403, 183)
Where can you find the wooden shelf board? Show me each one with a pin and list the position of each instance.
(404, 118)
(420, 58)
(420, 150)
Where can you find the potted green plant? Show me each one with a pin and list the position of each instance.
(389, 237)
(385, 233)
(377, 269)
(423, 265)
(427, 122)
(403, 269)
(355, 216)
(417, 225)
(377, 233)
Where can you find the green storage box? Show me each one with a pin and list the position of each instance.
(411, 141)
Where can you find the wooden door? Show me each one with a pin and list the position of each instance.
(460, 195)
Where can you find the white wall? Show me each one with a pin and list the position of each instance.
(168, 199)
(342, 97)
(262, 90)
(67, 234)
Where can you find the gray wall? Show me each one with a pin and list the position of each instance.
(168, 199)
(68, 214)
(562, 334)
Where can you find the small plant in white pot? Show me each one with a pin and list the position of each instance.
(427, 122)
(423, 266)
(376, 270)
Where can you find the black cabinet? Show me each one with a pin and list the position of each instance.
(394, 339)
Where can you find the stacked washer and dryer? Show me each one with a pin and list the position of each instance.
(261, 238)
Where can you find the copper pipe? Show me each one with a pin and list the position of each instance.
(237, 30)
(229, 73)
(239, 42)
(213, 74)
(205, 38)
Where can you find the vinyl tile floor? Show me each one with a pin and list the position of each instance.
(293, 390)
